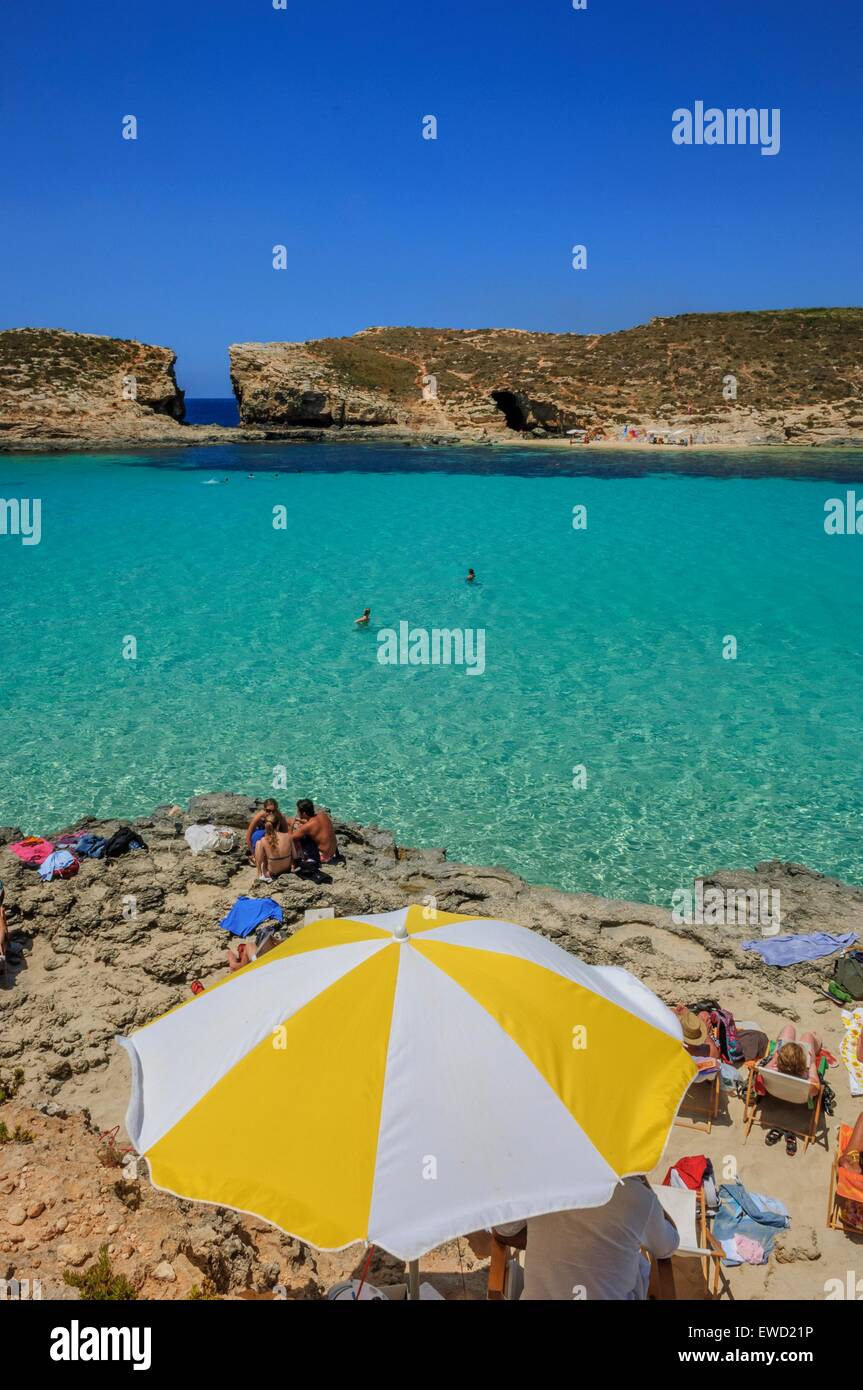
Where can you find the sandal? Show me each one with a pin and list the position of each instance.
(773, 1137)
(791, 1145)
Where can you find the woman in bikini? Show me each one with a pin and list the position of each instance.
(797, 1058)
(275, 852)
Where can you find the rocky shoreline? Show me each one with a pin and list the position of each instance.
(735, 380)
(119, 944)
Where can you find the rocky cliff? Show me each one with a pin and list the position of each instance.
(770, 377)
(118, 945)
(69, 389)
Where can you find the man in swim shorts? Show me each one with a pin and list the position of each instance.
(314, 834)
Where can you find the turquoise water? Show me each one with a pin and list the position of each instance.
(603, 648)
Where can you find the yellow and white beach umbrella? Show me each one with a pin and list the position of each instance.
(405, 1078)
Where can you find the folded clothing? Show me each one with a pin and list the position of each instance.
(791, 950)
(249, 913)
(60, 864)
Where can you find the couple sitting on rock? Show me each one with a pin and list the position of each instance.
(280, 845)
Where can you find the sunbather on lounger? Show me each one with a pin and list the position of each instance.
(851, 1157)
(795, 1058)
(696, 1033)
(275, 852)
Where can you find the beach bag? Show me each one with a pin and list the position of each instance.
(201, 838)
(729, 1044)
(848, 974)
(753, 1044)
(123, 841)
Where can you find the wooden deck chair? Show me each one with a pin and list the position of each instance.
(791, 1090)
(688, 1211)
(709, 1086)
(845, 1187)
(505, 1279)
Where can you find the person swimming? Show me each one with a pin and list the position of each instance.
(471, 576)
(363, 620)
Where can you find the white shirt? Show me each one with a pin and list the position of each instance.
(595, 1252)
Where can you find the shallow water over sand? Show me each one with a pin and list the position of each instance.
(603, 648)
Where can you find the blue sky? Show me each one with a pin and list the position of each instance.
(303, 127)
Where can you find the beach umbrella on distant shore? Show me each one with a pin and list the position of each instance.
(404, 1078)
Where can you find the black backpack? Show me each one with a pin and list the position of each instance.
(122, 841)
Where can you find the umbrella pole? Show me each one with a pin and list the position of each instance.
(413, 1279)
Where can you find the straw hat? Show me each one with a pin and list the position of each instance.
(694, 1029)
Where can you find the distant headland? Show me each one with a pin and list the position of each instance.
(729, 380)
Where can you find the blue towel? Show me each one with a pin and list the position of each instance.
(743, 1213)
(248, 913)
(91, 846)
(791, 950)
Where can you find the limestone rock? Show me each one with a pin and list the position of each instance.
(66, 388)
(506, 384)
(73, 1253)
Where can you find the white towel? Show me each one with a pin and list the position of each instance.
(853, 1021)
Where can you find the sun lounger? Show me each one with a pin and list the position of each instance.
(705, 1085)
(845, 1188)
(791, 1090)
(688, 1211)
(505, 1274)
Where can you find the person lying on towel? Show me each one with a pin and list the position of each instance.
(246, 951)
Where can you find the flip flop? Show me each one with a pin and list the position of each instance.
(773, 1137)
(791, 1145)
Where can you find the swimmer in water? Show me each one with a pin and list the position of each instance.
(471, 576)
(363, 621)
